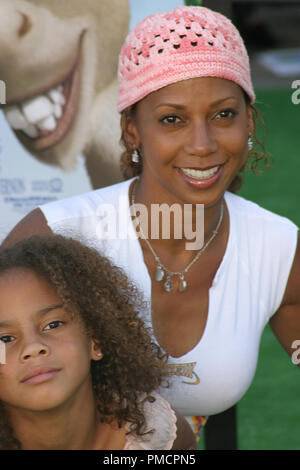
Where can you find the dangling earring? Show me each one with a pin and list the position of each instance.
(135, 158)
(250, 144)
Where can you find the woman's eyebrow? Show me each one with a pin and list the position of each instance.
(181, 106)
(172, 105)
(215, 103)
(5, 324)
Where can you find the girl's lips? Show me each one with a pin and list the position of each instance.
(40, 376)
(203, 183)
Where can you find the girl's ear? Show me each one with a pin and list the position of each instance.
(96, 353)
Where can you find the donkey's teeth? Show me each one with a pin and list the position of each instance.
(37, 114)
(47, 124)
(15, 118)
(31, 131)
(57, 111)
(57, 97)
(37, 109)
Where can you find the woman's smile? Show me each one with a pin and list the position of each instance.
(193, 137)
(201, 178)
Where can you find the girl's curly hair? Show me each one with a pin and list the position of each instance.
(257, 155)
(133, 365)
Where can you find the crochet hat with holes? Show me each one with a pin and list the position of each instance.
(184, 43)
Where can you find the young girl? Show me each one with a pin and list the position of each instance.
(80, 368)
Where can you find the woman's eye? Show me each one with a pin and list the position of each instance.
(53, 324)
(227, 113)
(7, 339)
(171, 119)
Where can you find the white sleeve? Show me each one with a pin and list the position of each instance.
(162, 420)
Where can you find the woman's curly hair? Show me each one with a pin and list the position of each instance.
(256, 156)
(88, 284)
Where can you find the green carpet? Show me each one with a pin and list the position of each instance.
(278, 189)
(269, 413)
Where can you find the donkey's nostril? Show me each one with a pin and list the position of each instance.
(25, 26)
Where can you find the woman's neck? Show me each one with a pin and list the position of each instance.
(179, 224)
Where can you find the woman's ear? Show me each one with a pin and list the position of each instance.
(96, 353)
(130, 132)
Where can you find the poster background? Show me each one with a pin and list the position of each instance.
(24, 181)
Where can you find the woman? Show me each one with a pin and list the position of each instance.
(186, 100)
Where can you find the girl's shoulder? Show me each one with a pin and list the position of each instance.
(161, 424)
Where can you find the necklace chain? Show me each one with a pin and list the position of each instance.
(161, 270)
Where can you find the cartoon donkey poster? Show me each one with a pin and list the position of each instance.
(58, 62)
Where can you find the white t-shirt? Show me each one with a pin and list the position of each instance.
(246, 291)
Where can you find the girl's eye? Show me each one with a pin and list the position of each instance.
(53, 324)
(7, 339)
(227, 113)
(171, 119)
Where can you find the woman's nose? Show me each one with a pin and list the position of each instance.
(34, 350)
(200, 142)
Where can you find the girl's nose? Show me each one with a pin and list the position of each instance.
(33, 350)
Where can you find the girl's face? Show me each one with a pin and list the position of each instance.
(47, 351)
(193, 136)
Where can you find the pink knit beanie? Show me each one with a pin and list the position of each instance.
(184, 43)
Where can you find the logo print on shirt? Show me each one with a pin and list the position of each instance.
(184, 370)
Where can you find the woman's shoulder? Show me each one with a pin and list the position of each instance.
(253, 213)
(161, 424)
(86, 203)
(78, 214)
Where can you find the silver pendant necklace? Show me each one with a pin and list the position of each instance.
(163, 273)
